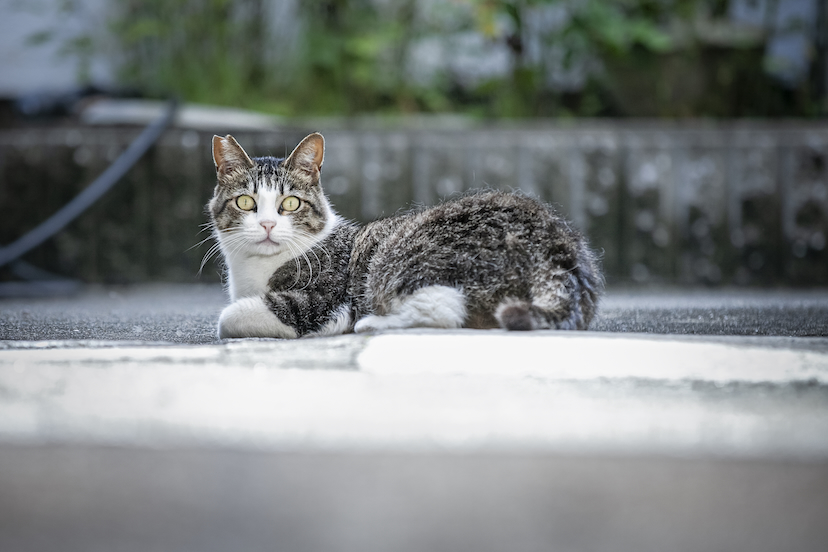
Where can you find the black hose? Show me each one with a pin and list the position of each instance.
(93, 192)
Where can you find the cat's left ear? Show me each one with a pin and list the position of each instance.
(308, 155)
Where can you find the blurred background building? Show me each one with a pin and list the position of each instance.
(686, 137)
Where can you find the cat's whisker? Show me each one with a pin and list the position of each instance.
(208, 238)
(296, 254)
(318, 261)
(235, 245)
(307, 246)
(213, 236)
(310, 270)
(303, 252)
(215, 248)
(230, 242)
(308, 243)
(311, 242)
(296, 263)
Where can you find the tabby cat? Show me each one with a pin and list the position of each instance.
(295, 268)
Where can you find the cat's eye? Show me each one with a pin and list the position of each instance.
(245, 202)
(290, 203)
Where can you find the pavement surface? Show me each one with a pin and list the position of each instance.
(178, 313)
(683, 420)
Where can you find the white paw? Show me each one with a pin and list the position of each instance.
(376, 323)
(250, 317)
(339, 323)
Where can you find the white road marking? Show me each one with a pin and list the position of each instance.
(460, 390)
(561, 356)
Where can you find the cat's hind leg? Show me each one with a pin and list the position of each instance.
(251, 317)
(428, 307)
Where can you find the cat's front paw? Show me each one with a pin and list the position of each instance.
(373, 324)
(250, 317)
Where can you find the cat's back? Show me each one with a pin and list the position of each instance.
(485, 220)
(493, 245)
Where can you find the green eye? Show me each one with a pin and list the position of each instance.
(245, 202)
(290, 203)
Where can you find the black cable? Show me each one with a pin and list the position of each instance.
(91, 193)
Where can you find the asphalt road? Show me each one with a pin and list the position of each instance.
(683, 420)
(179, 313)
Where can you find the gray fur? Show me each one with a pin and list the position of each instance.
(517, 263)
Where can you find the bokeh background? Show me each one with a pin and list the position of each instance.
(687, 138)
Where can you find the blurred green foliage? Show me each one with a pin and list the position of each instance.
(671, 58)
(352, 58)
(211, 51)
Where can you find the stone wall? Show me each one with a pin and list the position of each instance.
(694, 203)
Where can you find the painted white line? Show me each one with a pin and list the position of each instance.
(585, 357)
(426, 390)
(141, 353)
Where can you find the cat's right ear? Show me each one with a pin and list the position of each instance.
(229, 157)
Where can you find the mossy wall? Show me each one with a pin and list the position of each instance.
(692, 203)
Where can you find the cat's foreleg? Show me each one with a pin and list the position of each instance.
(428, 307)
(251, 317)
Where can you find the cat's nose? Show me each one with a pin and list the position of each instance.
(267, 225)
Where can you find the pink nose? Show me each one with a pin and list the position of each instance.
(267, 225)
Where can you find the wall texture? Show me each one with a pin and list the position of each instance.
(693, 203)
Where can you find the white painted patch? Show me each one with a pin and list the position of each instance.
(250, 317)
(428, 307)
(484, 390)
(552, 356)
(340, 323)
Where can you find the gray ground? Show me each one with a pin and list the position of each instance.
(179, 313)
(684, 420)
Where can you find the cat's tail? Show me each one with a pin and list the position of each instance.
(514, 314)
(571, 310)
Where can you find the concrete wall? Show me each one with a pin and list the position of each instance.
(728, 203)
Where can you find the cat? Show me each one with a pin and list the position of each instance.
(295, 268)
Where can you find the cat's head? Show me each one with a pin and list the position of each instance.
(266, 206)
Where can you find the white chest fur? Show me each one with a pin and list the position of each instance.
(248, 275)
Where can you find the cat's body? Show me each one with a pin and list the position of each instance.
(295, 268)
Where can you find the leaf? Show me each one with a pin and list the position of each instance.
(40, 37)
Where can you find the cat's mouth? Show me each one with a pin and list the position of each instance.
(267, 241)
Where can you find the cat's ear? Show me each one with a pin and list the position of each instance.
(308, 155)
(229, 156)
